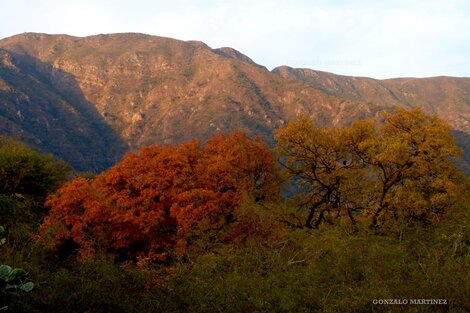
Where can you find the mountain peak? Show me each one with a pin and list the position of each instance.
(228, 52)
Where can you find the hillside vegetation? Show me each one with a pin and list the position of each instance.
(380, 213)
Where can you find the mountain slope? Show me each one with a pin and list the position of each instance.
(90, 98)
(447, 97)
(44, 107)
(154, 90)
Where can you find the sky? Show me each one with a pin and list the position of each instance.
(380, 39)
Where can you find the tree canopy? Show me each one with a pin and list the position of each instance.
(26, 178)
(143, 207)
(396, 172)
(25, 171)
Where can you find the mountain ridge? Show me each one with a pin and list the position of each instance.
(156, 90)
(447, 97)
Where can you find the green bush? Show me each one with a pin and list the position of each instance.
(12, 280)
(26, 178)
(24, 171)
(325, 270)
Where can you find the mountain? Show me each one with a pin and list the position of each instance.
(44, 107)
(155, 90)
(90, 99)
(446, 97)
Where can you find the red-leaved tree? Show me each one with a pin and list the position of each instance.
(147, 204)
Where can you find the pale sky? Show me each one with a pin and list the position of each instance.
(380, 39)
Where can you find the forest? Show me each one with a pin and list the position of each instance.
(371, 217)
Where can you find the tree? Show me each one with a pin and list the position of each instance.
(145, 206)
(26, 177)
(411, 162)
(329, 172)
(399, 170)
(24, 171)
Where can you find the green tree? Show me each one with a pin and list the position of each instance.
(26, 177)
(24, 171)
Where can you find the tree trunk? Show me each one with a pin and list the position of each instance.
(320, 218)
(351, 218)
(308, 223)
(313, 208)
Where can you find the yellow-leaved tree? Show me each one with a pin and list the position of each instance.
(397, 172)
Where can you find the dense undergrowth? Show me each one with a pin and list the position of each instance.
(261, 257)
(333, 269)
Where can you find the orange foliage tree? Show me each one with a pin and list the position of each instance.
(144, 206)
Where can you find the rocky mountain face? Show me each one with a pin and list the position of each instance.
(446, 97)
(44, 107)
(90, 99)
(153, 90)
